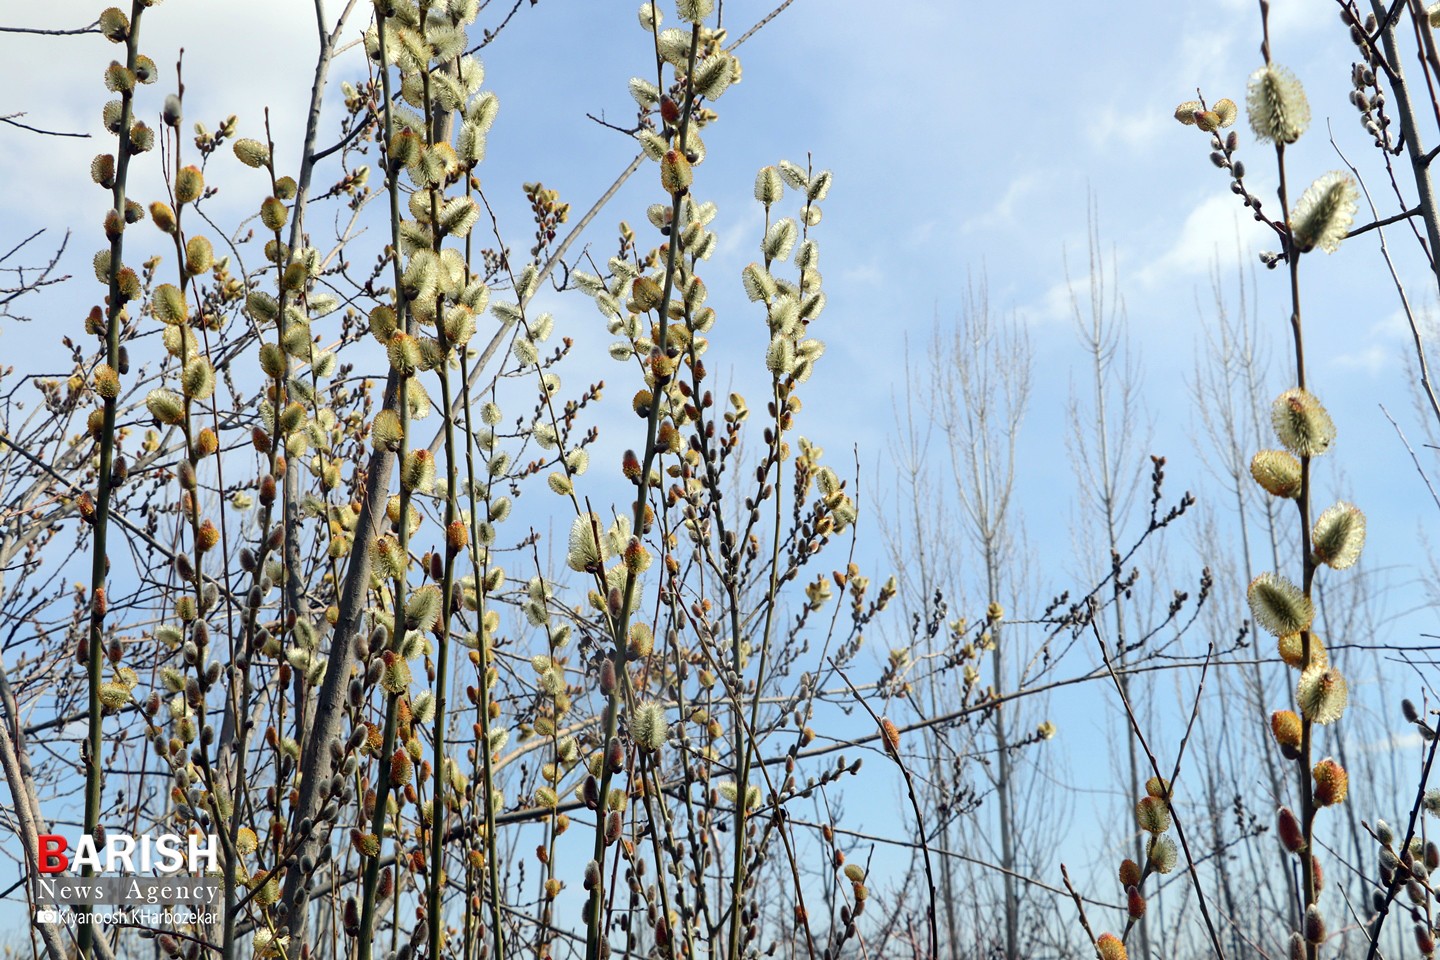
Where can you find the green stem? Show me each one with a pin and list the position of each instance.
(744, 745)
(99, 565)
(397, 644)
(1302, 503)
(365, 944)
(442, 660)
(483, 700)
(595, 925)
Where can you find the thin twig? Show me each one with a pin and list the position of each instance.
(1419, 339)
(1411, 450)
(957, 855)
(93, 27)
(1155, 766)
(1395, 888)
(759, 25)
(10, 119)
(486, 354)
(892, 749)
(1385, 222)
(1079, 904)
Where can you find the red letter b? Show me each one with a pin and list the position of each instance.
(50, 853)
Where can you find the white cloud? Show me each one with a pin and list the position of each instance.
(64, 91)
(1288, 18)
(1216, 228)
(1377, 348)
(1002, 212)
(1056, 305)
(868, 273)
(1394, 743)
(1119, 125)
(1372, 359)
(738, 235)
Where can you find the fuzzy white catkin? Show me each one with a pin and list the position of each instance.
(1275, 100)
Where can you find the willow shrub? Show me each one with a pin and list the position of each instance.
(348, 658)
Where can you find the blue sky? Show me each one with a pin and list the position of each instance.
(967, 140)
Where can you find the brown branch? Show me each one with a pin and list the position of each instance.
(1079, 905)
(94, 27)
(27, 820)
(759, 25)
(1397, 218)
(10, 119)
(1421, 360)
(31, 821)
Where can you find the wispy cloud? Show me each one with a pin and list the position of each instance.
(1376, 349)
(1003, 211)
(1216, 228)
(1394, 743)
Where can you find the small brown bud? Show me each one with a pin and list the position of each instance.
(1424, 939)
(1289, 829)
(590, 792)
(1134, 903)
(891, 736)
(1129, 873)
